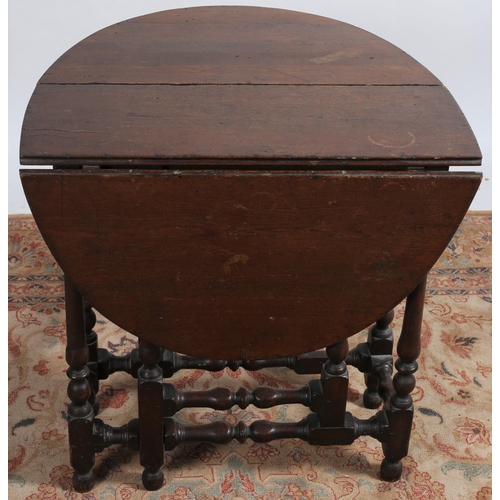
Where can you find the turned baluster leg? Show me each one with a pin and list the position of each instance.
(80, 412)
(334, 381)
(400, 406)
(91, 339)
(380, 343)
(150, 393)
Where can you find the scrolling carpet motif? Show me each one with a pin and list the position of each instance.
(450, 450)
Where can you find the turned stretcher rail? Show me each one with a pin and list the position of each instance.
(262, 431)
(223, 399)
(171, 362)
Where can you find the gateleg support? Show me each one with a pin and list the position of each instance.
(380, 344)
(334, 383)
(399, 407)
(151, 433)
(80, 411)
(92, 344)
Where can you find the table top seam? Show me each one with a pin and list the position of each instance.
(195, 84)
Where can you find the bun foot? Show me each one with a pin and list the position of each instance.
(82, 483)
(152, 480)
(371, 400)
(391, 471)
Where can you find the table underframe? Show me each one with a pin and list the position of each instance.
(155, 431)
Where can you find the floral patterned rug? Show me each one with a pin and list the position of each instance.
(450, 450)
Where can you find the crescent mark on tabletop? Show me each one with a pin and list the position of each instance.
(385, 145)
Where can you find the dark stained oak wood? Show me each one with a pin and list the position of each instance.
(260, 431)
(226, 44)
(80, 412)
(334, 382)
(246, 264)
(106, 435)
(223, 399)
(234, 86)
(314, 125)
(264, 431)
(400, 406)
(92, 345)
(171, 362)
(150, 396)
(240, 185)
(380, 343)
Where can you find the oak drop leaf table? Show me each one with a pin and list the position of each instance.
(244, 186)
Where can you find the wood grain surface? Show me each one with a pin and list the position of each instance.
(312, 125)
(241, 264)
(242, 86)
(236, 45)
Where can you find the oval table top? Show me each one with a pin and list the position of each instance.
(244, 264)
(234, 86)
